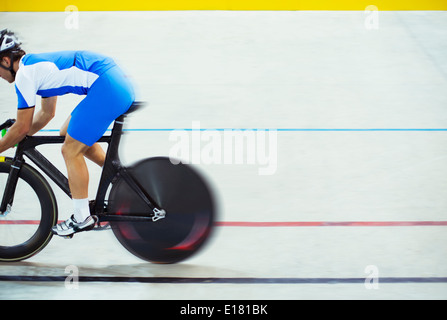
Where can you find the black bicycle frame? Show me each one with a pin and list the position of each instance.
(112, 169)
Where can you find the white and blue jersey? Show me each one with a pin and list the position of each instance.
(108, 92)
(58, 73)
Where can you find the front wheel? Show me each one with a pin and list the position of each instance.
(185, 196)
(26, 228)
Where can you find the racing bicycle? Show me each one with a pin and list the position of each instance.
(160, 210)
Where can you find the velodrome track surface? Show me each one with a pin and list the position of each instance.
(360, 182)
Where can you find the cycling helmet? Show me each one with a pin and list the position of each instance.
(9, 45)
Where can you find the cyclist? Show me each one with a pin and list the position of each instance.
(108, 95)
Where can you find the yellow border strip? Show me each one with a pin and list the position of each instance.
(152, 5)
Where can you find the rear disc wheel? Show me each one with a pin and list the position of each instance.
(185, 196)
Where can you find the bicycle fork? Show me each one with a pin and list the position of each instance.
(10, 188)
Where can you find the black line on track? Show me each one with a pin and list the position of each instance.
(183, 280)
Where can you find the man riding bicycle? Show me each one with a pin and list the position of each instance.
(108, 95)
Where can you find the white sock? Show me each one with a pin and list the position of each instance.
(81, 209)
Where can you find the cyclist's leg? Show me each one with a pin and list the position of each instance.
(95, 153)
(73, 152)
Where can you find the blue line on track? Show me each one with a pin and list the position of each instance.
(283, 129)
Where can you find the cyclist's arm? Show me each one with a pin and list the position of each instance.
(19, 129)
(44, 115)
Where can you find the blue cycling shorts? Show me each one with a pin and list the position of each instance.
(110, 96)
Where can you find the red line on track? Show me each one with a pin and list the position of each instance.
(19, 222)
(290, 223)
(331, 224)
